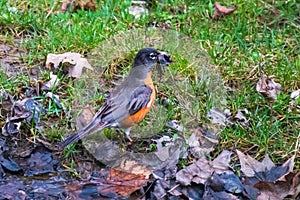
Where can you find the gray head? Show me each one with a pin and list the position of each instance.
(150, 56)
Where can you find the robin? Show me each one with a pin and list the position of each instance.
(129, 103)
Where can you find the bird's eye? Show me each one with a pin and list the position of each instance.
(153, 56)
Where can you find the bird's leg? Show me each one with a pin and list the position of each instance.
(127, 132)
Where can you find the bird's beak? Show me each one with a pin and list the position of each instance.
(164, 59)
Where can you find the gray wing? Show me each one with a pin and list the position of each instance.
(139, 99)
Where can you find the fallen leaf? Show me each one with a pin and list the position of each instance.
(294, 100)
(168, 152)
(174, 125)
(52, 83)
(210, 195)
(163, 184)
(295, 94)
(201, 142)
(202, 169)
(223, 186)
(55, 98)
(194, 191)
(138, 8)
(221, 11)
(40, 162)
(112, 184)
(134, 167)
(72, 5)
(249, 166)
(241, 117)
(216, 116)
(287, 188)
(87, 114)
(9, 164)
(272, 182)
(268, 87)
(128, 182)
(28, 109)
(75, 61)
(52, 187)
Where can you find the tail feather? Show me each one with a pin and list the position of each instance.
(94, 125)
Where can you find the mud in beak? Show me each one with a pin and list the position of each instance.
(164, 59)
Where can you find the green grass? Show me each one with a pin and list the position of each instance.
(256, 32)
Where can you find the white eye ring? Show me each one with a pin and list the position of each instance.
(153, 56)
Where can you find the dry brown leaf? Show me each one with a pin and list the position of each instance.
(74, 5)
(221, 11)
(249, 166)
(273, 182)
(216, 116)
(127, 182)
(75, 61)
(203, 168)
(289, 187)
(201, 143)
(221, 162)
(138, 8)
(112, 183)
(131, 166)
(268, 87)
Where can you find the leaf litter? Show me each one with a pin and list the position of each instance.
(204, 178)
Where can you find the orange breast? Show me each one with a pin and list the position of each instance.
(140, 115)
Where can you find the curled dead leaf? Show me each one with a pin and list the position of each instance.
(268, 87)
(240, 116)
(221, 11)
(74, 61)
